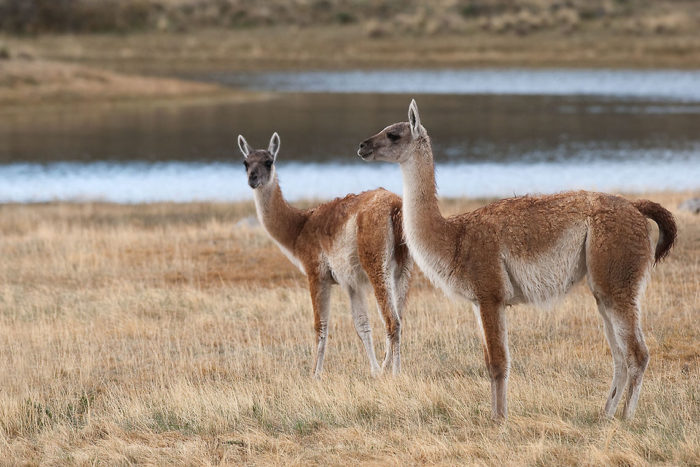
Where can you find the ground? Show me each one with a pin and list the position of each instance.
(173, 333)
(68, 68)
(32, 82)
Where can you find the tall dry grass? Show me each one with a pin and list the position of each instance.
(170, 334)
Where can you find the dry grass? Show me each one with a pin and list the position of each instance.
(422, 17)
(286, 47)
(168, 334)
(70, 68)
(30, 81)
(363, 45)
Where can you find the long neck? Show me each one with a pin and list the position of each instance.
(420, 205)
(282, 221)
(430, 238)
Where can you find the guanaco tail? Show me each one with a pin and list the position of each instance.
(530, 249)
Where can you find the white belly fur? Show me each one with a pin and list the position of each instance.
(344, 260)
(550, 275)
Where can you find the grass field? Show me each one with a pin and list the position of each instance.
(65, 69)
(327, 47)
(169, 334)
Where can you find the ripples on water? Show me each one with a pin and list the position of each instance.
(677, 85)
(188, 181)
(495, 133)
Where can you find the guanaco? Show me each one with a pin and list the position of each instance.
(530, 249)
(355, 241)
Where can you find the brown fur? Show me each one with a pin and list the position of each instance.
(666, 223)
(530, 249)
(316, 237)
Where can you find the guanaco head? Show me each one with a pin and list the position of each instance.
(394, 143)
(259, 163)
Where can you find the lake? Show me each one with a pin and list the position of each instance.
(494, 133)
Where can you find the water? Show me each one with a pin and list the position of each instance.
(495, 133)
(192, 181)
(674, 85)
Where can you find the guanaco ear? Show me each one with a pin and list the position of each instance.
(274, 146)
(414, 119)
(244, 146)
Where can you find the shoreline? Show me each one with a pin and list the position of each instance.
(288, 48)
(63, 69)
(183, 182)
(177, 332)
(32, 84)
(449, 204)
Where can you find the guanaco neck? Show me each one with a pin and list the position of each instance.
(281, 220)
(425, 227)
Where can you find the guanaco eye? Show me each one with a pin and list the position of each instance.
(268, 164)
(245, 163)
(393, 136)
